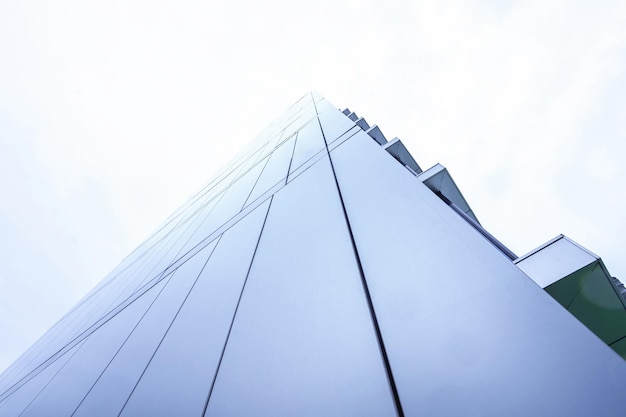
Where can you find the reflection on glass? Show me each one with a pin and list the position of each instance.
(302, 342)
(180, 375)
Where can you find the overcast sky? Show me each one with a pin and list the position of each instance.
(113, 113)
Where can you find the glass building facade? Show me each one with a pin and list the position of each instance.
(323, 273)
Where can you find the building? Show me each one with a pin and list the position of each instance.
(323, 273)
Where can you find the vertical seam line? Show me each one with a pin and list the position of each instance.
(232, 322)
(170, 324)
(381, 343)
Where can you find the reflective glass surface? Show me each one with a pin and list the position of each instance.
(302, 342)
(334, 123)
(180, 375)
(554, 261)
(115, 382)
(14, 404)
(310, 142)
(297, 285)
(466, 332)
(80, 372)
(276, 169)
(228, 206)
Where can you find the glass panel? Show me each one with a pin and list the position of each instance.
(276, 169)
(118, 378)
(305, 115)
(21, 398)
(33, 357)
(310, 141)
(334, 124)
(293, 174)
(82, 369)
(227, 207)
(239, 169)
(303, 342)
(211, 189)
(128, 281)
(172, 248)
(322, 104)
(179, 377)
(465, 330)
(555, 261)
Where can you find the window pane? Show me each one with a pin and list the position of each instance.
(303, 341)
(179, 377)
(84, 367)
(466, 331)
(115, 384)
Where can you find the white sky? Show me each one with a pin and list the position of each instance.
(112, 113)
